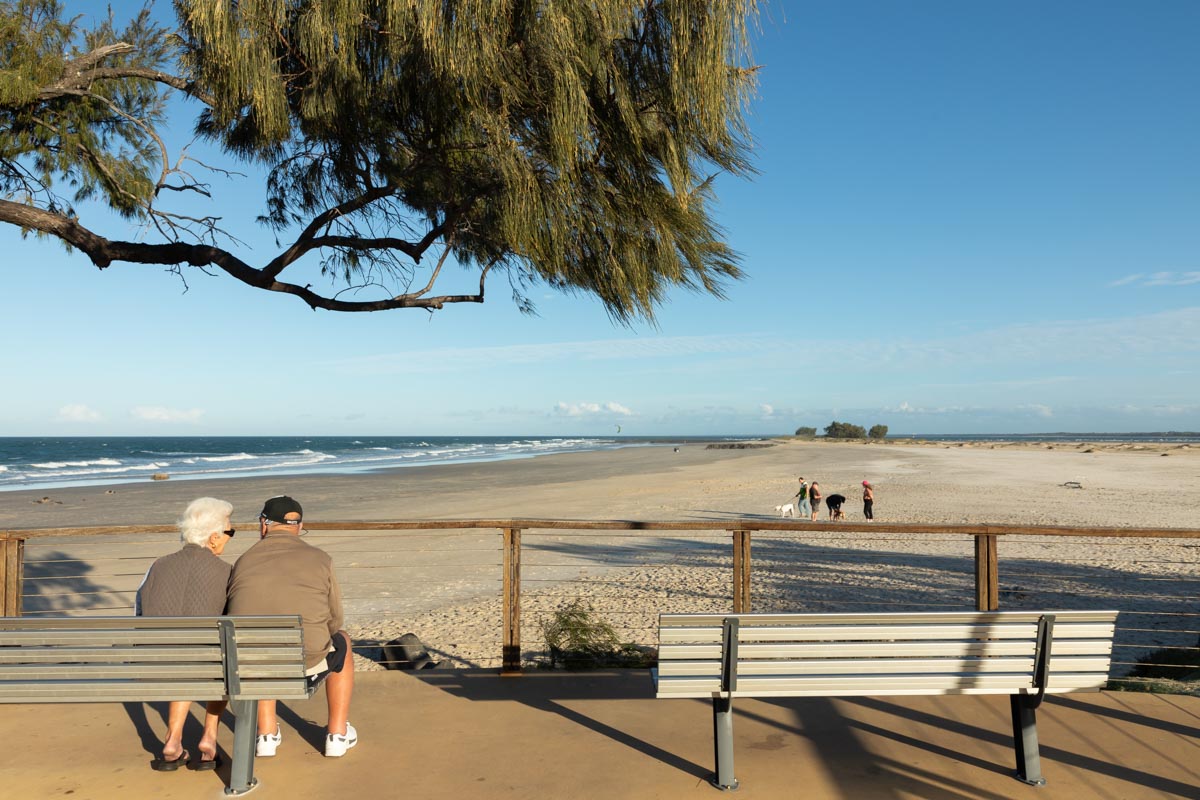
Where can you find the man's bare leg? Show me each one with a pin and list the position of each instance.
(267, 723)
(339, 686)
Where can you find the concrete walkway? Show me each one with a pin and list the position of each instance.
(472, 734)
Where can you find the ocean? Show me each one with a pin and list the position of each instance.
(52, 462)
(46, 462)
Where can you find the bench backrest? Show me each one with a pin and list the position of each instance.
(115, 659)
(994, 652)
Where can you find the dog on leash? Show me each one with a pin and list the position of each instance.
(786, 510)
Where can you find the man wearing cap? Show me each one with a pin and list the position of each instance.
(282, 574)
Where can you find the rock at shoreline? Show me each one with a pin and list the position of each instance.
(739, 445)
(159, 476)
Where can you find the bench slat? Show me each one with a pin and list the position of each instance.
(713, 690)
(746, 620)
(885, 666)
(198, 636)
(808, 633)
(857, 686)
(806, 650)
(143, 654)
(109, 691)
(119, 692)
(144, 623)
(194, 636)
(91, 672)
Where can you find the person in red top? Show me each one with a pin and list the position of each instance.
(814, 497)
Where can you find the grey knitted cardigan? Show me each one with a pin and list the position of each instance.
(188, 583)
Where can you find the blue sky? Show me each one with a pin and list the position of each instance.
(969, 218)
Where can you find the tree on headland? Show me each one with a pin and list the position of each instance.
(877, 432)
(845, 430)
(808, 432)
(570, 144)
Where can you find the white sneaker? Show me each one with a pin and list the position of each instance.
(336, 745)
(266, 743)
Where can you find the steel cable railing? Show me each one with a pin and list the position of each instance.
(445, 581)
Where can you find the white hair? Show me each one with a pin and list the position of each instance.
(202, 518)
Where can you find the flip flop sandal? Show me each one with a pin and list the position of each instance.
(170, 764)
(205, 765)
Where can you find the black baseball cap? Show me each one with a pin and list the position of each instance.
(277, 508)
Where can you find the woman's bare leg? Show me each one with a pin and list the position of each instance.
(176, 716)
(212, 721)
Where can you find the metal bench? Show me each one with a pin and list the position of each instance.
(1019, 653)
(143, 659)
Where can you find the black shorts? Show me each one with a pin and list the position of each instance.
(335, 661)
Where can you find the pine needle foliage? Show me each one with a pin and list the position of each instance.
(568, 143)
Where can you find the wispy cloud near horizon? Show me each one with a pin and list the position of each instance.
(1055, 341)
(1154, 279)
(78, 412)
(591, 409)
(449, 359)
(163, 414)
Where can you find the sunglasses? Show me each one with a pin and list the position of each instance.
(230, 532)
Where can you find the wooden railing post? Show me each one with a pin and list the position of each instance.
(12, 568)
(987, 573)
(741, 572)
(511, 614)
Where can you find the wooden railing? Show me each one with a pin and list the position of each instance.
(987, 586)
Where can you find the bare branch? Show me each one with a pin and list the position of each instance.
(103, 252)
(80, 73)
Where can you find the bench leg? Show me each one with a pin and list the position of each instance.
(245, 730)
(723, 743)
(1029, 761)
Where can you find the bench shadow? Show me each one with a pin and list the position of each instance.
(546, 693)
(193, 729)
(311, 732)
(1132, 775)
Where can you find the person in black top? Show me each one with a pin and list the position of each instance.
(835, 501)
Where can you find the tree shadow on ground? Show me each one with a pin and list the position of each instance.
(57, 583)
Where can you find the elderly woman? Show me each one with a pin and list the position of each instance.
(190, 583)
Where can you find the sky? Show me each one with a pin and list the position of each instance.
(968, 218)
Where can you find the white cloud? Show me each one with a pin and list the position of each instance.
(454, 359)
(163, 414)
(1037, 409)
(591, 409)
(78, 412)
(1158, 279)
(767, 410)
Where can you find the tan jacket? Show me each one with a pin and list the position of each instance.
(283, 574)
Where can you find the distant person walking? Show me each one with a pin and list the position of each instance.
(802, 509)
(868, 501)
(814, 498)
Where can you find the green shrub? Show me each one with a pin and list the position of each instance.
(844, 430)
(878, 432)
(578, 640)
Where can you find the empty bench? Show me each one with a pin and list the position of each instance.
(144, 659)
(1019, 653)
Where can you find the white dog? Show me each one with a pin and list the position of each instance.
(786, 510)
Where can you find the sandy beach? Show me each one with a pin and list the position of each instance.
(444, 585)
